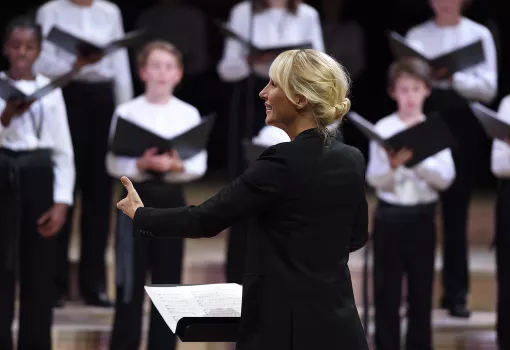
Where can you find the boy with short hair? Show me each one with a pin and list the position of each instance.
(404, 220)
(158, 111)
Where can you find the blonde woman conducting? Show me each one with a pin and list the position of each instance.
(308, 202)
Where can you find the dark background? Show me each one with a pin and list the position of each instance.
(369, 92)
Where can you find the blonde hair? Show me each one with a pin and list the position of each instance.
(319, 78)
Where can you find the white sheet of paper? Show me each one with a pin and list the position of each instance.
(206, 300)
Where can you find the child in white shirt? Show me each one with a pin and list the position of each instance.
(404, 221)
(159, 178)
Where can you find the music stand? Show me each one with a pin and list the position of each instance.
(205, 329)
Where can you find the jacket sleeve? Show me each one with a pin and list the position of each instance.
(360, 232)
(259, 187)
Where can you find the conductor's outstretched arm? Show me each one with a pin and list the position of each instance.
(259, 187)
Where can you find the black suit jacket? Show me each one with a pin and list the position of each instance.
(308, 211)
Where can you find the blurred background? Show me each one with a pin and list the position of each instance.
(87, 327)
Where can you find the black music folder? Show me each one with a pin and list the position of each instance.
(454, 61)
(492, 124)
(132, 140)
(425, 139)
(226, 31)
(78, 46)
(199, 313)
(10, 92)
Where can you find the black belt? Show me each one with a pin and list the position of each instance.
(390, 211)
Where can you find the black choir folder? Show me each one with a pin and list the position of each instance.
(9, 92)
(132, 140)
(492, 124)
(199, 313)
(78, 46)
(225, 30)
(425, 139)
(454, 61)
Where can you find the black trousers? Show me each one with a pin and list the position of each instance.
(163, 258)
(404, 245)
(456, 199)
(234, 267)
(89, 109)
(502, 244)
(34, 265)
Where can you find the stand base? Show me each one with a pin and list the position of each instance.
(208, 329)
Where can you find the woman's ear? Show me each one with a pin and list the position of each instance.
(301, 102)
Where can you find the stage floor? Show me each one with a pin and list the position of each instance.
(80, 327)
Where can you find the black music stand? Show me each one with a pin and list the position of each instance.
(208, 329)
(205, 329)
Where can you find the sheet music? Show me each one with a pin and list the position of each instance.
(208, 300)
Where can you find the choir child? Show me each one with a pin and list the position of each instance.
(448, 31)
(404, 220)
(36, 184)
(160, 177)
(266, 24)
(500, 165)
(91, 99)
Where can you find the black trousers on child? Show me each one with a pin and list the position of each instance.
(404, 245)
(234, 267)
(26, 186)
(90, 107)
(162, 257)
(502, 243)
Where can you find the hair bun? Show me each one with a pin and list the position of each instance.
(342, 108)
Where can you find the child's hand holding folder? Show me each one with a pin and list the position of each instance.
(85, 59)
(161, 163)
(400, 157)
(14, 108)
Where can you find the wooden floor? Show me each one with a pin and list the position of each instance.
(79, 327)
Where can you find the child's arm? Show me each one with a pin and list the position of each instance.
(119, 61)
(63, 155)
(234, 66)
(192, 168)
(10, 110)
(379, 171)
(438, 171)
(52, 62)
(500, 155)
(118, 166)
(480, 83)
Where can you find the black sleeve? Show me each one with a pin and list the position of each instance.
(260, 186)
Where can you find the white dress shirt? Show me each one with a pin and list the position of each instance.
(48, 113)
(166, 120)
(500, 156)
(273, 27)
(100, 23)
(480, 82)
(270, 135)
(407, 186)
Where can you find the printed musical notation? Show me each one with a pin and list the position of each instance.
(208, 300)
